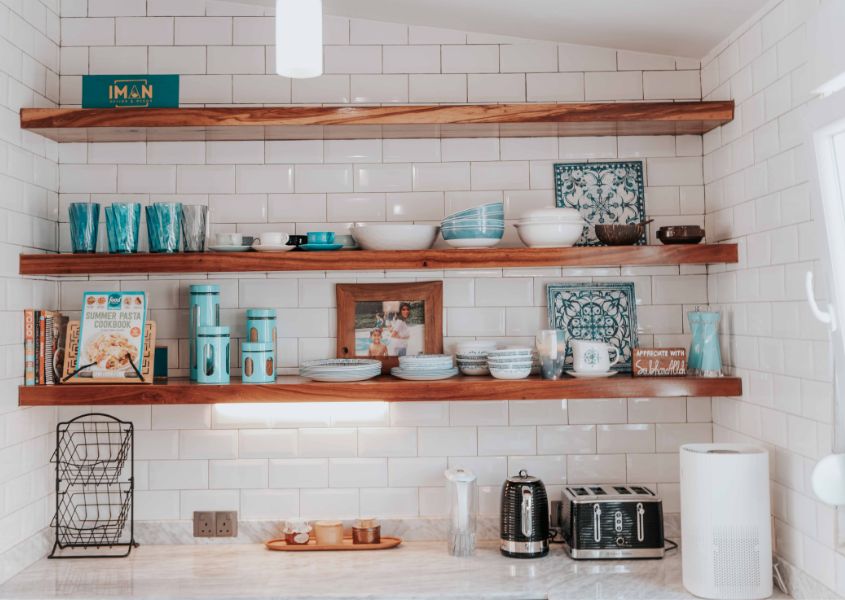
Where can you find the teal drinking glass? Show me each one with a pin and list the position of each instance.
(164, 226)
(84, 222)
(122, 223)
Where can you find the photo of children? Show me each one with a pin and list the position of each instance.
(389, 328)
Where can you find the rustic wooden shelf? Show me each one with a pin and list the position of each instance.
(405, 121)
(360, 260)
(384, 388)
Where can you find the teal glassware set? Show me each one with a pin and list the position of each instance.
(705, 355)
(123, 221)
(261, 336)
(204, 314)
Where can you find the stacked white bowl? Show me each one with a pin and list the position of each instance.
(425, 367)
(472, 356)
(550, 227)
(511, 363)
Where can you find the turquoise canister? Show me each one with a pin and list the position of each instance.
(213, 354)
(705, 355)
(258, 364)
(205, 312)
(261, 327)
(694, 357)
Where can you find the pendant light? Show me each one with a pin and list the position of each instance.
(299, 38)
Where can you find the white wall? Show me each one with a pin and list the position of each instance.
(757, 193)
(29, 65)
(271, 461)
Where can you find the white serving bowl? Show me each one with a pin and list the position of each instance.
(548, 215)
(474, 369)
(509, 373)
(389, 236)
(549, 235)
(473, 242)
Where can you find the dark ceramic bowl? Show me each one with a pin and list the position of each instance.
(618, 234)
(680, 234)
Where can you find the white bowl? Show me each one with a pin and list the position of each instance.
(474, 370)
(473, 242)
(509, 373)
(547, 215)
(390, 236)
(549, 235)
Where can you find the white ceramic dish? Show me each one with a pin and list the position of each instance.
(394, 236)
(423, 375)
(510, 373)
(473, 242)
(474, 371)
(230, 248)
(272, 248)
(549, 235)
(585, 375)
(547, 215)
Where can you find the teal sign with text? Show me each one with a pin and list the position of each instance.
(130, 91)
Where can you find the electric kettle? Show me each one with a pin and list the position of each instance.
(525, 517)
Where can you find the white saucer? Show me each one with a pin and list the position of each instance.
(592, 375)
(272, 248)
(229, 248)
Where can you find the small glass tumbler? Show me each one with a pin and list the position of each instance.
(122, 223)
(551, 348)
(194, 227)
(84, 223)
(163, 226)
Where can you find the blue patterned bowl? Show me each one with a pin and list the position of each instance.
(492, 210)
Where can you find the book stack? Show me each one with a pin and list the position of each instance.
(44, 346)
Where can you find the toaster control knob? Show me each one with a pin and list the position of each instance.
(620, 541)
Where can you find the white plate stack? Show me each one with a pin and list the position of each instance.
(425, 367)
(340, 369)
(511, 363)
(472, 356)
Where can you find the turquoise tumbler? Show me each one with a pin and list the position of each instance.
(164, 226)
(257, 363)
(205, 312)
(84, 222)
(122, 223)
(213, 349)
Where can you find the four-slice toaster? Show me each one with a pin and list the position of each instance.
(612, 521)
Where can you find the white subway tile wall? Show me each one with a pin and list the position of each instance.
(757, 194)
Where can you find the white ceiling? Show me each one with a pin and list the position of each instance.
(678, 27)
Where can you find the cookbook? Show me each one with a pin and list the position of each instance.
(111, 336)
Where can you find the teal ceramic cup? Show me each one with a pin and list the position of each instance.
(321, 237)
(122, 223)
(258, 364)
(213, 355)
(164, 227)
(84, 220)
(205, 312)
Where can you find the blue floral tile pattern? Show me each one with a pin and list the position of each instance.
(604, 312)
(603, 192)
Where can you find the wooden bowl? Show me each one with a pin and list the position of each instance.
(618, 234)
(680, 234)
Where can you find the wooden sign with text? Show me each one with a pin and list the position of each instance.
(659, 362)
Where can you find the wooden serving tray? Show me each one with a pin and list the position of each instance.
(312, 546)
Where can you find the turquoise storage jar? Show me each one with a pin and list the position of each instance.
(257, 362)
(261, 327)
(213, 354)
(205, 312)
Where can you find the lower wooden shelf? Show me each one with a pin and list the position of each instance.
(385, 388)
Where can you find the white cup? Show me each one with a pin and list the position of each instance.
(593, 357)
(228, 239)
(270, 238)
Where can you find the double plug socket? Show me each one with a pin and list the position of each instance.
(222, 523)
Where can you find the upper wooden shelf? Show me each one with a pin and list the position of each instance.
(367, 260)
(384, 388)
(405, 121)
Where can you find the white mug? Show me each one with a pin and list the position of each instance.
(593, 357)
(228, 239)
(270, 238)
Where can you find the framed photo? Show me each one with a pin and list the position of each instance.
(388, 320)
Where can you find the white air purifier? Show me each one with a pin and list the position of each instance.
(726, 521)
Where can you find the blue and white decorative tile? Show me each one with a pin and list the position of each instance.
(605, 312)
(603, 192)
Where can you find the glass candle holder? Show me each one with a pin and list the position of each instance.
(551, 350)
(84, 220)
(122, 223)
(164, 226)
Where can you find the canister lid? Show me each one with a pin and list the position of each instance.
(523, 477)
(205, 289)
(260, 312)
(256, 347)
(209, 331)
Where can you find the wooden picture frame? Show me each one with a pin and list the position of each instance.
(377, 330)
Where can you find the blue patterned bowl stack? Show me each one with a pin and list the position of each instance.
(258, 364)
(84, 220)
(261, 327)
(213, 354)
(205, 312)
(122, 223)
(164, 226)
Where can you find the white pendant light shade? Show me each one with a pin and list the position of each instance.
(299, 38)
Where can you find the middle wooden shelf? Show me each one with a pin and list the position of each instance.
(367, 260)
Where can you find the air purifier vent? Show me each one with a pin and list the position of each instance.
(736, 559)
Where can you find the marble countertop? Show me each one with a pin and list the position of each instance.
(415, 570)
